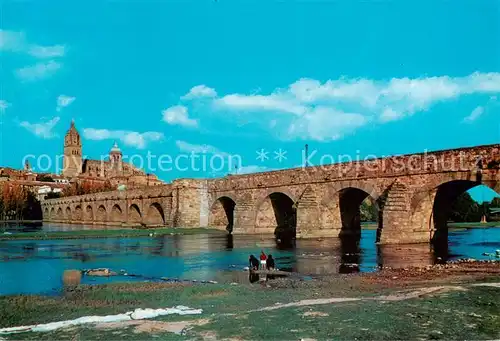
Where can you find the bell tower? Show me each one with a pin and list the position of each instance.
(72, 165)
(115, 157)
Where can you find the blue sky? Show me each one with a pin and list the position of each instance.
(233, 77)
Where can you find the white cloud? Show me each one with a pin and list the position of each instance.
(4, 105)
(178, 115)
(200, 91)
(38, 71)
(478, 111)
(324, 124)
(187, 147)
(271, 102)
(330, 110)
(42, 129)
(129, 138)
(13, 41)
(39, 51)
(63, 101)
(389, 114)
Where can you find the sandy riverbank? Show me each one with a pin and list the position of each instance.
(457, 301)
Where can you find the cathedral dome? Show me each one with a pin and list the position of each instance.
(115, 148)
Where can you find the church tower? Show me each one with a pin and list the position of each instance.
(72, 165)
(115, 157)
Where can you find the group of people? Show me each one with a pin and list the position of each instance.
(266, 262)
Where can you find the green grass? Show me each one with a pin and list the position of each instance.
(457, 315)
(451, 316)
(474, 225)
(106, 233)
(369, 225)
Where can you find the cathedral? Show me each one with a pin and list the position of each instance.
(112, 168)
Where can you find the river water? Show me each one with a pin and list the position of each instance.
(36, 267)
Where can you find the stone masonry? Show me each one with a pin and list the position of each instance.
(413, 194)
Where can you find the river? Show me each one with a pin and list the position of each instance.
(36, 266)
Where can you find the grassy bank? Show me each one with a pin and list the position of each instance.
(104, 233)
(474, 225)
(369, 225)
(257, 312)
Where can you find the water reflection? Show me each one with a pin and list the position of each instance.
(404, 256)
(229, 242)
(37, 266)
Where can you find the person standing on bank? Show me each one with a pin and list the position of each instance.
(270, 263)
(263, 259)
(253, 263)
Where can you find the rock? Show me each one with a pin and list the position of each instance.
(102, 272)
(72, 277)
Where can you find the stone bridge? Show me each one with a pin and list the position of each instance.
(413, 195)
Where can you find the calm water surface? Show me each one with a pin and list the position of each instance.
(36, 267)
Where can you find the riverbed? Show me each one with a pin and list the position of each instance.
(36, 266)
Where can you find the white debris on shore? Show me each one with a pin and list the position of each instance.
(137, 314)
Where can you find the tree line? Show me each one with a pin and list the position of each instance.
(19, 203)
(81, 188)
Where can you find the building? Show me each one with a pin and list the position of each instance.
(112, 169)
(44, 190)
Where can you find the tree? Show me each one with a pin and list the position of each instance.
(86, 187)
(32, 210)
(495, 202)
(368, 211)
(70, 190)
(53, 195)
(44, 178)
(2, 208)
(465, 209)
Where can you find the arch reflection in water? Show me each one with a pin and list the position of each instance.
(405, 256)
(351, 255)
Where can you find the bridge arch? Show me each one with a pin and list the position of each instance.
(116, 214)
(155, 215)
(78, 214)
(445, 198)
(341, 207)
(101, 214)
(89, 213)
(60, 214)
(431, 207)
(46, 213)
(134, 214)
(68, 213)
(52, 213)
(277, 213)
(221, 213)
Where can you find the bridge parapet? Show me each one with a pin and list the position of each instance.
(149, 192)
(454, 160)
